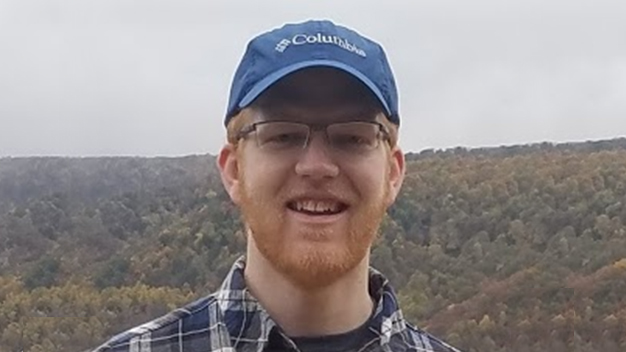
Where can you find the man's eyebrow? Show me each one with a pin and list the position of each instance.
(294, 113)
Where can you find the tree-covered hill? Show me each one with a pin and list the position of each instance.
(519, 248)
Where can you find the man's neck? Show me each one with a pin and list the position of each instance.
(338, 308)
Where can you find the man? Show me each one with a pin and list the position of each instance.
(312, 162)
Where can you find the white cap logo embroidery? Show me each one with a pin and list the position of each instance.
(319, 38)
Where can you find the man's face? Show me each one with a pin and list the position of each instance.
(314, 212)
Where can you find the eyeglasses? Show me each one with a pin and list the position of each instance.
(350, 138)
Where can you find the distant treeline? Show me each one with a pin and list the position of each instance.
(522, 149)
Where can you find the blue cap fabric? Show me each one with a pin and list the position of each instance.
(279, 52)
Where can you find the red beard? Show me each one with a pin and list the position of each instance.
(304, 257)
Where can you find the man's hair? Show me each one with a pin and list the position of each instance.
(246, 117)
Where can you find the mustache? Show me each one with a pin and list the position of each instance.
(337, 193)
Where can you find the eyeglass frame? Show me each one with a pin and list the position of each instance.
(382, 133)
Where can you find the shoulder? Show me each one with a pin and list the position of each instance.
(166, 329)
(426, 341)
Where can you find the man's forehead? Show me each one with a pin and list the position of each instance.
(314, 86)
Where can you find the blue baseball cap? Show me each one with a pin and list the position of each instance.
(275, 54)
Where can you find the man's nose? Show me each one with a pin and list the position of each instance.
(316, 160)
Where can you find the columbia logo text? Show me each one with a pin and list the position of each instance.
(319, 38)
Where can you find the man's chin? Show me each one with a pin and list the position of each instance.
(314, 268)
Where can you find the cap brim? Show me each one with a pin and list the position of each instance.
(266, 82)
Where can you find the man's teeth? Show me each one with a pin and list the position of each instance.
(317, 206)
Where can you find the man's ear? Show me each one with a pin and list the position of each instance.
(397, 170)
(228, 164)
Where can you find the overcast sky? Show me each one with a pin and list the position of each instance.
(148, 77)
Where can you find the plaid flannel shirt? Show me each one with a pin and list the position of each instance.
(231, 319)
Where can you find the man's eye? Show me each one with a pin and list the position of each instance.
(285, 139)
(351, 140)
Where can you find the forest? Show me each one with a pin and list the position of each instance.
(512, 248)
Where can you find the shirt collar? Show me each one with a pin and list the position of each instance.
(248, 322)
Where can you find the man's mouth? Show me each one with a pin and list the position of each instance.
(317, 207)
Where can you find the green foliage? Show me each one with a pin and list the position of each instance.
(43, 273)
(113, 273)
(506, 249)
(74, 317)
